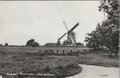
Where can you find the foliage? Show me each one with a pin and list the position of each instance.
(6, 44)
(35, 44)
(29, 42)
(0, 44)
(106, 35)
(32, 43)
(60, 66)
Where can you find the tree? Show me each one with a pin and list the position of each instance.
(111, 24)
(93, 40)
(32, 43)
(0, 44)
(107, 34)
(35, 44)
(6, 44)
(29, 42)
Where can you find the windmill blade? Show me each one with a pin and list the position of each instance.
(64, 33)
(62, 36)
(68, 31)
(72, 39)
(65, 25)
(73, 28)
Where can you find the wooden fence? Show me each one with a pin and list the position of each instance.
(58, 52)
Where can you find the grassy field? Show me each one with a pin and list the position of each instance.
(26, 59)
(99, 60)
(14, 60)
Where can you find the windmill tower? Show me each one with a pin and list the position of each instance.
(71, 38)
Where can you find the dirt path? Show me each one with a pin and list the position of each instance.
(91, 71)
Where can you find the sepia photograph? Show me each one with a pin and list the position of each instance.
(59, 39)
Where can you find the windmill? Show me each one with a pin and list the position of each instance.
(71, 39)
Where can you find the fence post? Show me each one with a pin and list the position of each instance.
(63, 52)
(51, 52)
(78, 51)
(71, 52)
(57, 52)
(39, 52)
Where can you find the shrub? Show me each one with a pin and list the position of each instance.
(35, 44)
(32, 43)
(6, 44)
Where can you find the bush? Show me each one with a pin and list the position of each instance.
(6, 44)
(29, 42)
(32, 43)
(35, 44)
(68, 70)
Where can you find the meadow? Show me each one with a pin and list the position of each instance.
(28, 60)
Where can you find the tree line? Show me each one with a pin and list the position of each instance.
(106, 34)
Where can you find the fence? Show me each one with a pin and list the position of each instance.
(58, 52)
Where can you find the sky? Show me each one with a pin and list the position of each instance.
(43, 20)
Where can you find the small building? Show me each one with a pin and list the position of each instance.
(51, 44)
